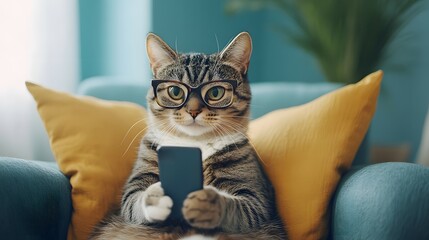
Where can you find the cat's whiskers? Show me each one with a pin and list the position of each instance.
(229, 134)
(217, 42)
(221, 135)
(159, 124)
(247, 137)
(168, 131)
(241, 117)
(236, 126)
(164, 131)
(140, 132)
(131, 143)
(175, 45)
(129, 130)
(239, 127)
(226, 132)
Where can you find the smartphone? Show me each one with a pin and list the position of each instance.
(180, 173)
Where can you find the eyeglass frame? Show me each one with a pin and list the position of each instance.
(156, 82)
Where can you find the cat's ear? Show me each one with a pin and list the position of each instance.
(237, 52)
(159, 53)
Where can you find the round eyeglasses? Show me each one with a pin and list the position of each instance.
(174, 94)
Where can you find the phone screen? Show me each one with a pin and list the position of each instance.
(180, 173)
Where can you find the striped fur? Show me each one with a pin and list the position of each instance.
(236, 189)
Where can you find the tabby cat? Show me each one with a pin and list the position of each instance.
(202, 101)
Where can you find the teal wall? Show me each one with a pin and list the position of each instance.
(112, 37)
(112, 43)
(194, 26)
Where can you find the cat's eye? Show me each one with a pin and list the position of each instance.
(170, 94)
(215, 93)
(218, 94)
(175, 92)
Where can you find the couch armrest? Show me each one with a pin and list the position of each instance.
(35, 200)
(385, 201)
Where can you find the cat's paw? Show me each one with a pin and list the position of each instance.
(203, 209)
(156, 206)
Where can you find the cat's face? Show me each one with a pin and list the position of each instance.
(205, 95)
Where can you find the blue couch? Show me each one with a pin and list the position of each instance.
(386, 201)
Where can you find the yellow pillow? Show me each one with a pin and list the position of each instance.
(92, 145)
(304, 150)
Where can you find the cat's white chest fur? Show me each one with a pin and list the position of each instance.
(208, 147)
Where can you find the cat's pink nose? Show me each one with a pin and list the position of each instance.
(194, 113)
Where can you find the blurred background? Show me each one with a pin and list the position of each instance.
(62, 43)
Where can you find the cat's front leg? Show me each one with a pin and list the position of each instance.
(156, 205)
(211, 208)
(204, 208)
(147, 206)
